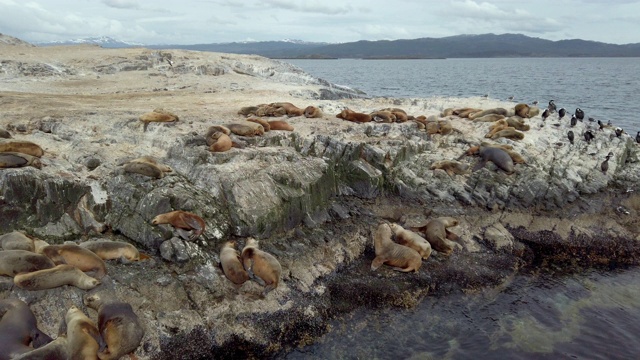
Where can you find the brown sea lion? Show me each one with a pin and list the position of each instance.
(437, 235)
(497, 156)
(280, 125)
(268, 110)
(411, 239)
(494, 129)
(517, 123)
(13, 262)
(18, 329)
(154, 161)
(218, 128)
(246, 128)
(21, 146)
(291, 109)
(399, 257)
(56, 276)
(118, 325)
(382, 116)
(522, 110)
(351, 115)
(261, 266)
(465, 112)
(445, 127)
(111, 250)
(72, 254)
(489, 118)
(533, 111)
(16, 159)
(231, 263)
(452, 167)
(157, 115)
(83, 337)
(313, 112)
(16, 240)
(447, 112)
(264, 123)
(55, 350)
(182, 220)
(497, 111)
(221, 142)
(146, 168)
(248, 110)
(509, 133)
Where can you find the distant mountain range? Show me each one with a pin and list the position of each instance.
(104, 41)
(461, 46)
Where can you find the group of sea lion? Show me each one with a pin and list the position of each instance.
(278, 109)
(253, 263)
(431, 124)
(507, 123)
(410, 247)
(36, 265)
(19, 153)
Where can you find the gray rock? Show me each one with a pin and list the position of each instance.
(498, 237)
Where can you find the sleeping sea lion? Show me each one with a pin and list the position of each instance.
(16, 160)
(157, 115)
(13, 262)
(231, 263)
(83, 337)
(411, 239)
(21, 146)
(110, 250)
(72, 254)
(399, 257)
(182, 220)
(313, 112)
(55, 277)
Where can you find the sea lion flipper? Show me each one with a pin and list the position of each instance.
(376, 263)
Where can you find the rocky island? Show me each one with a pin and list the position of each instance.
(313, 197)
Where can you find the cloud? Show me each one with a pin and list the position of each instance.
(315, 6)
(122, 4)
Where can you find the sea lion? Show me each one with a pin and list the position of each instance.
(144, 168)
(399, 257)
(157, 115)
(496, 111)
(313, 112)
(432, 127)
(400, 115)
(411, 239)
(494, 129)
(509, 133)
(497, 156)
(264, 123)
(221, 142)
(465, 112)
(268, 110)
(54, 277)
(261, 266)
(248, 110)
(5, 134)
(280, 125)
(16, 240)
(182, 220)
(445, 127)
(350, 115)
(83, 337)
(437, 235)
(516, 157)
(231, 263)
(517, 123)
(13, 262)
(55, 350)
(290, 109)
(72, 254)
(489, 118)
(246, 128)
(218, 128)
(447, 112)
(522, 110)
(110, 250)
(452, 167)
(21, 146)
(381, 116)
(18, 329)
(154, 161)
(118, 325)
(534, 111)
(16, 159)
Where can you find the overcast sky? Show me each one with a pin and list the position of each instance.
(214, 21)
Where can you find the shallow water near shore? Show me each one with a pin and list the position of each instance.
(593, 315)
(605, 88)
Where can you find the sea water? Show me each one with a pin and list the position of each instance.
(607, 89)
(592, 315)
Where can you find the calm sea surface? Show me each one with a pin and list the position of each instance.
(593, 315)
(605, 88)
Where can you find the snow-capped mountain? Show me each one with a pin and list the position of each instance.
(104, 41)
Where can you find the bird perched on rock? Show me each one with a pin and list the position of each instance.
(534, 103)
(561, 113)
(574, 120)
(510, 98)
(638, 137)
(579, 114)
(601, 125)
(552, 106)
(591, 119)
(570, 136)
(545, 114)
(605, 164)
(619, 131)
(589, 135)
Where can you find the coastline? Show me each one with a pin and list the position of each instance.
(327, 184)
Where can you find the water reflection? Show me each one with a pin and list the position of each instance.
(590, 316)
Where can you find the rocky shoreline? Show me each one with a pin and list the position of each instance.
(312, 196)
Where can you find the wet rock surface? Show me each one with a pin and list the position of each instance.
(312, 196)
